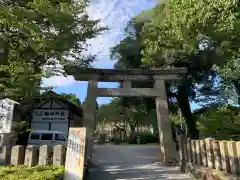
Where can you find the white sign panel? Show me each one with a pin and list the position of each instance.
(50, 115)
(6, 115)
(74, 165)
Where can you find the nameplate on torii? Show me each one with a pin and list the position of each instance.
(128, 92)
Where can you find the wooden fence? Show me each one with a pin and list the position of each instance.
(33, 155)
(216, 157)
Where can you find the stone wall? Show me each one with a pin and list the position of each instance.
(32, 155)
(210, 158)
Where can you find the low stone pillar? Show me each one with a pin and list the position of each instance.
(204, 153)
(45, 155)
(217, 155)
(59, 155)
(238, 152)
(199, 152)
(233, 159)
(182, 139)
(189, 150)
(224, 156)
(31, 156)
(210, 154)
(17, 155)
(193, 144)
(5, 155)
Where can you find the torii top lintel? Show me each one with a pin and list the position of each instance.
(109, 75)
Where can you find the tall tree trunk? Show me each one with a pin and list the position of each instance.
(184, 105)
(4, 57)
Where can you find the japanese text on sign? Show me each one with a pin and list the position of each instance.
(75, 159)
(50, 115)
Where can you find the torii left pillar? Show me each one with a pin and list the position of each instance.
(89, 115)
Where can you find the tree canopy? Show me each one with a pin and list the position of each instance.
(38, 33)
(115, 112)
(71, 97)
(198, 35)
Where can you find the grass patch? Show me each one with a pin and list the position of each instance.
(31, 173)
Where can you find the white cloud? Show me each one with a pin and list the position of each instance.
(115, 14)
(57, 81)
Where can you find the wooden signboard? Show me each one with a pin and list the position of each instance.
(75, 158)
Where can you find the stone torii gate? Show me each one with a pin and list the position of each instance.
(157, 76)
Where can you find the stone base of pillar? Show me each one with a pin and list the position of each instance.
(169, 152)
(89, 149)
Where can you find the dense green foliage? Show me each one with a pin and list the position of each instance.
(145, 138)
(35, 36)
(198, 35)
(71, 97)
(179, 28)
(130, 116)
(31, 173)
(220, 122)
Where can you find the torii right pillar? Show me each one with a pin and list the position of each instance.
(168, 146)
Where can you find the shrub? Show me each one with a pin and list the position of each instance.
(31, 173)
(145, 137)
(221, 122)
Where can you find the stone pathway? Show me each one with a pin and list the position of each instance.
(131, 162)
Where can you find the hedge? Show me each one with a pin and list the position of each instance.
(31, 173)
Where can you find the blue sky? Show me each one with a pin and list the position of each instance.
(115, 14)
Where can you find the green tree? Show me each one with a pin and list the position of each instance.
(194, 34)
(221, 122)
(108, 112)
(191, 34)
(128, 55)
(71, 97)
(115, 111)
(36, 33)
(134, 115)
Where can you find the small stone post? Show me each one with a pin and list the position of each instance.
(217, 155)
(45, 155)
(238, 152)
(59, 155)
(189, 150)
(31, 158)
(182, 139)
(210, 154)
(233, 159)
(199, 152)
(5, 155)
(204, 153)
(224, 156)
(193, 143)
(17, 155)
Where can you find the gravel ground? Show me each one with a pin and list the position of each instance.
(131, 162)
